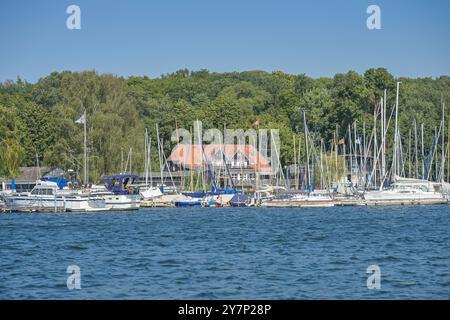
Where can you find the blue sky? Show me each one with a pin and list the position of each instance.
(136, 37)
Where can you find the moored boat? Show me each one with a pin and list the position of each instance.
(119, 193)
(312, 199)
(406, 191)
(46, 196)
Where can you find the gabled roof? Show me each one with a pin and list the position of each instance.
(31, 174)
(196, 156)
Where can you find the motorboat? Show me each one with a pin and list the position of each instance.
(406, 191)
(119, 193)
(47, 196)
(311, 199)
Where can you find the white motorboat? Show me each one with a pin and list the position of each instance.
(312, 199)
(117, 201)
(46, 196)
(406, 191)
(119, 192)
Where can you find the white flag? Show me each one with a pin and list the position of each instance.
(82, 119)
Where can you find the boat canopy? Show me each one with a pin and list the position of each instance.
(121, 183)
(61, 182)
(239, 198)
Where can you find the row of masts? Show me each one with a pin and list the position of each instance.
(360, 160)
(365, 161)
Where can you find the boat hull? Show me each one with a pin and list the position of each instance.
(297, 204)
(122, 202)
(54, 204)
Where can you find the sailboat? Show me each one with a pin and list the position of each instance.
(404, 190)
(308, 198)
(148, 192)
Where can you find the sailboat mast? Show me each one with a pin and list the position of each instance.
(436, 134)
(308, 177)
(363, 155)
(395, 155)
(355, 151)
(448, 151)
(159, 154)
(145, 156)
(295, 163)
(375, 145)
(409, 154)
(383, 136)
(442, 142)
(321, 165)
(416, 169)
(350, 151)
(423, 152)
(336, 150)
(85, 149)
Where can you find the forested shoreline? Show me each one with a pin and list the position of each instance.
(38, 120)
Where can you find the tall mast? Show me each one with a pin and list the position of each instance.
(336, 150)
(395, 155)
(308, 178)
(363, 154)
(436, 134)
(295, 163)
(383, 136)
(298, 161)
(442, 142)
(448, 151)
(85, 149)
(375, 143)
(355, 151)
(159, 155)
(409, 154)
(321, 164)
(350, 151)
(423, 152)
(145, 156)
(416, 169)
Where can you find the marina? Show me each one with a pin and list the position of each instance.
(354, 171)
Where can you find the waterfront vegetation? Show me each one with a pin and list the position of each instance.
(37, 120)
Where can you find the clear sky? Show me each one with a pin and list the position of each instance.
(137, 37)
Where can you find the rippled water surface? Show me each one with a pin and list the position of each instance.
(228, 253)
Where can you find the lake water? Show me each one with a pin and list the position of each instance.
(228, 253)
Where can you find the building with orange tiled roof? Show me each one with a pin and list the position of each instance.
(244, 162)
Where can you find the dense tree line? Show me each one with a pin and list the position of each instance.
(37, 120)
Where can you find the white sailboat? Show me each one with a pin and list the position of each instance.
(148, 192)
(309, 198)
(404, 190)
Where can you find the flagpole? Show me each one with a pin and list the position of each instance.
(85, 149)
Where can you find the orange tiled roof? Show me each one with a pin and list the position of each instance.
(192, 156)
